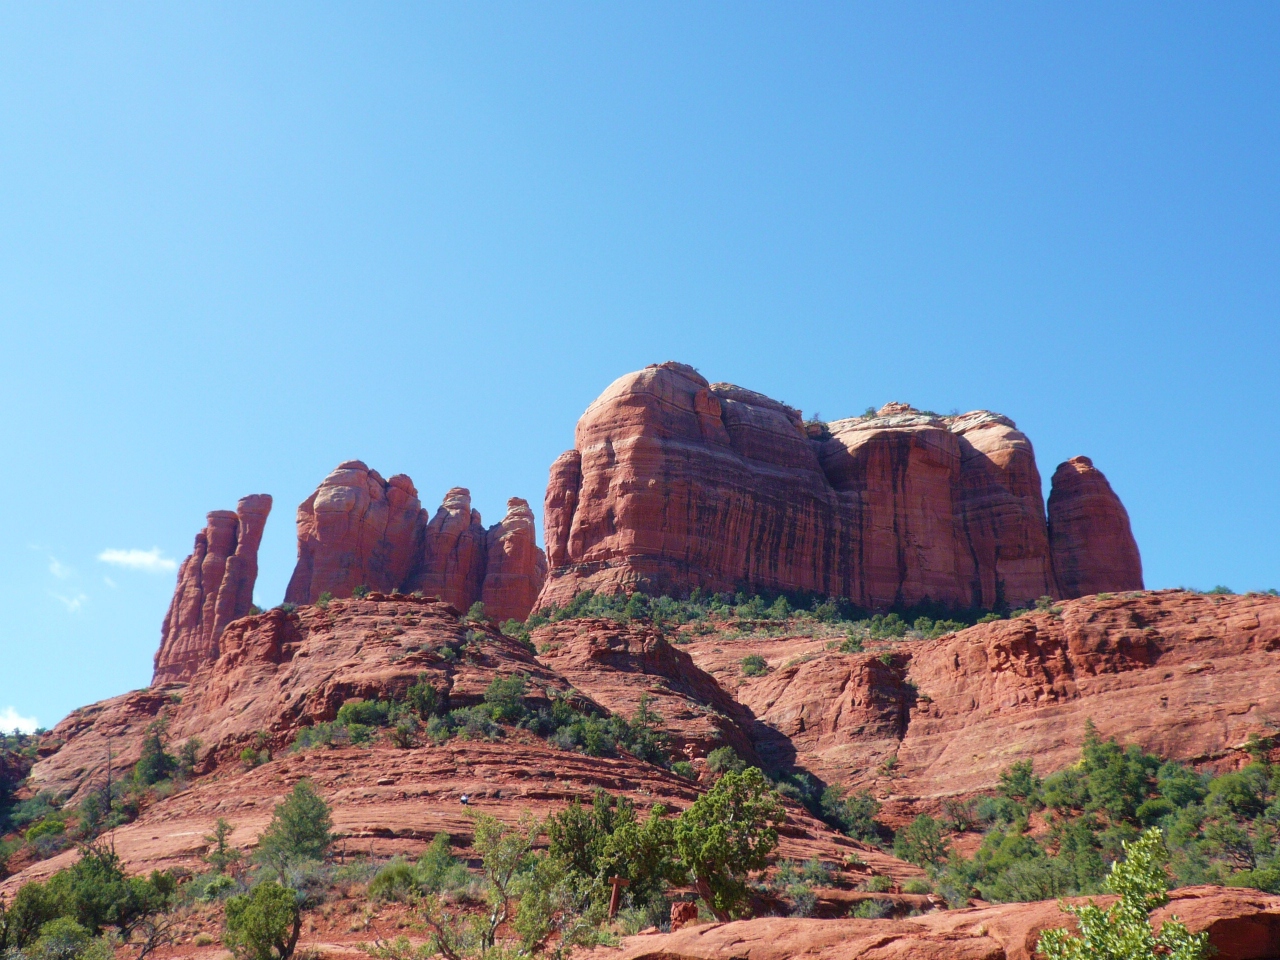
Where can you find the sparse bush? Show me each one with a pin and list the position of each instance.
(754, 666)
(872, 909)
(916, 885)
(323, 600)
(360, 592)
(685, 769)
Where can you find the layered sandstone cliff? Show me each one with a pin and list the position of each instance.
(1093, 547)
(676, 483)
(215, 587)
(358, 529)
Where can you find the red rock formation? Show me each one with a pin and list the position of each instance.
(675, 483)
(1089, 535)
(1182, 675)
(1242, 925)
(514, 566)
(618, 663)
(360, 530)
(357, 529)
(215, 587)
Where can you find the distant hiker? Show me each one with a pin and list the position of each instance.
(464, 799)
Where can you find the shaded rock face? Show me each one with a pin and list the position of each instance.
(1089, 535)
(215, 587)
(616, 664)
(675, 483)
(358, 529)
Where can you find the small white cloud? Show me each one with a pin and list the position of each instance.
(73, 604)
(11, 720)
(149, 560)
(109, 582)
(59, 570)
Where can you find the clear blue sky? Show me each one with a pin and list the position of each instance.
(240, 243)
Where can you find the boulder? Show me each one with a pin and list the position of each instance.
(215, 587)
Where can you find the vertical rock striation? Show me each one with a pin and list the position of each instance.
(676, 483)
(1089, 534)
(215, 587)
(358, 529)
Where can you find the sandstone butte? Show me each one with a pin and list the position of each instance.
(1186, 675)
(356, 529)
(675, 483)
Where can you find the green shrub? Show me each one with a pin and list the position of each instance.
(395, 881)
(299, 830)
(877, 884)
(505, 698)
(916, 885)
(423, 698)
(921, 842)
(154, 764)
(872, 909)
(369, 713)
(685, 769)
(323, 600)
(221, 855)
(263, 924)
(360, 592)
(725, 760)
(1123, 931)
(728, 831)
(754, 666)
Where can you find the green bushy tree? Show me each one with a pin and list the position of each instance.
(727, 832)
(299, 830)
(264, 923)
(1123, 931)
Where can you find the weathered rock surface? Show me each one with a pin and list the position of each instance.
(675, 483)
(1183, 675)
(358, 529)
(1242, 925)
(618, 663)
(215, 587)
(282, 671)
(1089, 534)
(279, 672)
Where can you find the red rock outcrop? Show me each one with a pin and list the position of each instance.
(215, 587)
(1089, 535)
(358, 529)
(1183, 675)
(1242, 925)
(618, 663)
(675, 483)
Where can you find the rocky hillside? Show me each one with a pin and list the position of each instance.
(675, 483)
(912, 721)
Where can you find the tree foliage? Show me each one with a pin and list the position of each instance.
(1123, 931)
(728, 831)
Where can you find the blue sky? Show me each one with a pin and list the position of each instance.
(240, 243)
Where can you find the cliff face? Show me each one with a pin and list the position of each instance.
(675, 483)
(215, 587)
(358, 529)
